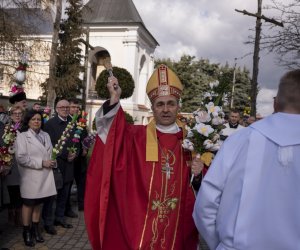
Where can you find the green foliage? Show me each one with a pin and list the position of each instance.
(242, 89)
(196, 75)
(129, 118)
(68, 64)
(125, 79)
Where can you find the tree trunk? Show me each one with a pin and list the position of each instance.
(233, 85)
(253, 94)
(51, 95)
(86, 55)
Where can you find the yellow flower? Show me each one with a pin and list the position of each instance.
(7, 158)
(206, 158)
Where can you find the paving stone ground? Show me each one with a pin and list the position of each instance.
(74, 238)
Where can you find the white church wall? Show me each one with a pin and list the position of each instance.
(124, 46)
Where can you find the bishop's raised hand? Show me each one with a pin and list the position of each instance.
(113, 89)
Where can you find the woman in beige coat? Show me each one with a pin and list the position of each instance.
(33, 154)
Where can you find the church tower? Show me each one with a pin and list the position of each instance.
(115, 27)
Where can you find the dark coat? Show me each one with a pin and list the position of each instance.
(2, 126)
(55, 127)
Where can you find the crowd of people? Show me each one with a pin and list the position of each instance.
(141, 175)
(34, 194)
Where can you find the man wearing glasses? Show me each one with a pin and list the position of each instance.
(80, 165)
(55, 127)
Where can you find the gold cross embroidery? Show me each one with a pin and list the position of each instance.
(166, 161)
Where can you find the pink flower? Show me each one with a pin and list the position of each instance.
(14, 89)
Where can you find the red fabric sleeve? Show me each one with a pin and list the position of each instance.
(92, 194)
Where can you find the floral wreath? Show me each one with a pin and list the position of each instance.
(57, 149)
(7, 150)
(80, 125)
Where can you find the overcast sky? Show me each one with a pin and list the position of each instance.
(211, 29)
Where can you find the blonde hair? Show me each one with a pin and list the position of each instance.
(14, 108)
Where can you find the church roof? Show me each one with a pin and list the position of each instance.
(110, 11)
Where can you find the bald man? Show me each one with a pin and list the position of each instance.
(55, 127)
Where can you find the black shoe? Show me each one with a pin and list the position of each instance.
(27, 236)
(50, 230)
(36, 232)
(71, 214)
(62, 224)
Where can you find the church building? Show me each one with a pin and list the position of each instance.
(117, 28)
(113, 27)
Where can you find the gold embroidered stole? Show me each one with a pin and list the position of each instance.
(164, 197)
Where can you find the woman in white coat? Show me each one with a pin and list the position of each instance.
(33, 154)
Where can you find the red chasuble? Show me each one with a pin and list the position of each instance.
(134, 204)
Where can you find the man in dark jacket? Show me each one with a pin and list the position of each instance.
(55, 127)
(80, 164)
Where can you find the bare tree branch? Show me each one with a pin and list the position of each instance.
(270, 20)
(285, 42)
(86, 44)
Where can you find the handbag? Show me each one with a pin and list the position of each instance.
(58, 178)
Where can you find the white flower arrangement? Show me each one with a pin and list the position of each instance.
(204, 128)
